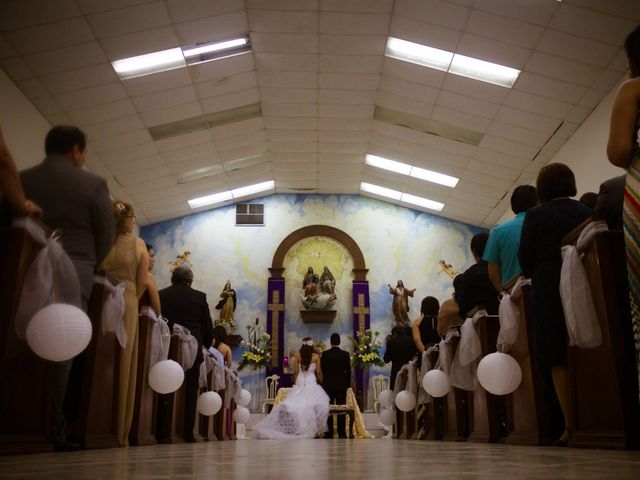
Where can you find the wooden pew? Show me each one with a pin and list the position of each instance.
(206, 423)
(26, 380)
(457, 408)
(171, 420)
(486, 408)
(436, 412)
(97, 367)
(528, 415)
(604, 380)
(143, 425)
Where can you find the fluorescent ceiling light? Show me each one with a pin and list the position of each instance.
(422, 202)
(418, 54)
(149, 63)
(215, 47)
(387, 164)
(484, 71)
(209, 199)
(435, 177)
(251, 189)
(453, 63)
(383, 192)
(231, 195)
(406, 169)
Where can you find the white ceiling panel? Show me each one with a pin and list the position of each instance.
(129, 20)
(211, 29)
(318, 71)
(508, 30)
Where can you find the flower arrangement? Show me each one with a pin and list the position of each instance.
(257, 348)
(366, 349)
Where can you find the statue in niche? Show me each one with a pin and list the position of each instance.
(318, 293)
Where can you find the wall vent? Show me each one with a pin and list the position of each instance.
(249, 215)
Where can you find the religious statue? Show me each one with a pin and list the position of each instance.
(227, 305)
(400, 305)
(181, 260)
(318, 293)
(448, 269)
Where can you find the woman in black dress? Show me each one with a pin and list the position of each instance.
(424, 330)
(541, 260)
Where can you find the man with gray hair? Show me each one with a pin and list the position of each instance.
(183, 305)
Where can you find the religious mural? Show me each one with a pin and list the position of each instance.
(397, 243)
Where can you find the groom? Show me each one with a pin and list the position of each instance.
(336, 370)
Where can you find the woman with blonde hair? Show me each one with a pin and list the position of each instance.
(127, 262)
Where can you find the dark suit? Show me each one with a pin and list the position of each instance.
(77, 203)
(336, 380)
(188, 307)
(473, 288)
(400, 350)
(610, 201)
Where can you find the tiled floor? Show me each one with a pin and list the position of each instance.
(326, 459)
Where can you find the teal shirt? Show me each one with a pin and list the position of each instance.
(503, 245)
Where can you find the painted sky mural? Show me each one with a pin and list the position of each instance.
(397, 243)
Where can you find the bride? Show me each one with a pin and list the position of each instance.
(303, 414)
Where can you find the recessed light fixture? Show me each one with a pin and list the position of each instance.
(403, 197)
(412, 171)
(179, 57)
(149, 63)
(231, 194)
(451, 62)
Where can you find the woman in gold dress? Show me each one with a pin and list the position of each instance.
(127, 262)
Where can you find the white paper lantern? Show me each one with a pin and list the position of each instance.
(241, 415)
(166, 376)
(406, 401)
(59, 332)
(499, 373)
(244, 398)
(386, 398)
(388, 417)
(436, 383)
(209, 403)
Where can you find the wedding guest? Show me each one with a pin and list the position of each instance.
(400, 350)
(127, 262)
(501, 251)
(424, 329)
(220, 344)
(541, 260)
(10, 185)
(82, 211)
(589, 199)
(473, 288)
(623, 151)
(610, 202)
(150, 297)
(188, 307)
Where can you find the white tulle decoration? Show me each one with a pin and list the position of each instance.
(209, 403)
(244, 398)
(436, 383)
(499, 373)
(388, 417)
(406, 401)
(386, 398)
(241, 415)
(166, 376)
(59, 332)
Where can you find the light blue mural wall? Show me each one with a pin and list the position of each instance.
(397, 243)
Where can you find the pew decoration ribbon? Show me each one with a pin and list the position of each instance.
(112, 318)
(580, 315)
(51, 277)
(463, 367)
(509, 313)
(189, 345)
(160, 336)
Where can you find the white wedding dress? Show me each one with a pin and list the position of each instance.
(303, 414)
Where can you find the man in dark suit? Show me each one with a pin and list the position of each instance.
(610, 201)
(336, 371)
(188, 307)
(400, 350)
(77, 203)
